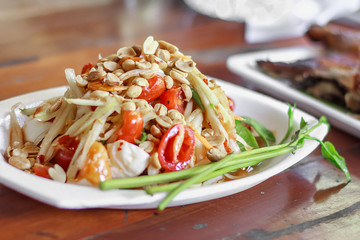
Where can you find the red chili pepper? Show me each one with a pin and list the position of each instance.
(86, 68)
(231, 104)
(42, 171)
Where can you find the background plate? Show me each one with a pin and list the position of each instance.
(245, 66)
(272, 113)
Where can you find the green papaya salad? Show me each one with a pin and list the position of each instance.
(146, 117)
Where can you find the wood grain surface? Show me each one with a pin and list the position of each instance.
(38, 41)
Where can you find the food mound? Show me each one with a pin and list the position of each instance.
(144, 110)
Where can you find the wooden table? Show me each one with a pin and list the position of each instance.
(39, 40)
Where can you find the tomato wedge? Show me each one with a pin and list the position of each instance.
(66, 151)
(176, 148)
(131, 126)
(173, 98)
(42, 171)
(154, 90)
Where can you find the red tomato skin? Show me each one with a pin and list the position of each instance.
(154, 90)
(63, 156)
(131, 127)
(86, 68)
(168, 160)
(42, 171)
(41, 158)
(173, 98)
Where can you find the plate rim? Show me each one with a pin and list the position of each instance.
(192, 195)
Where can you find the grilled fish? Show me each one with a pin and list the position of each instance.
(333, 78)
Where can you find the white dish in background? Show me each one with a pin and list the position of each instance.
(245, 66)
(272, 113)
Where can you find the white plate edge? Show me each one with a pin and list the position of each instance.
(156, 198)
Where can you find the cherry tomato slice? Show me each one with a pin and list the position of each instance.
(173, 98)
(42, 171)
(66, 151)
(175, 152)
(131, 127)
(86, 68)
(154, 90)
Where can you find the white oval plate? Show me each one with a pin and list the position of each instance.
(272, 113)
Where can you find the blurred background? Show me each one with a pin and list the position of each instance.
(32, 29)
(51, 27)
(41, 29)
(59, 34)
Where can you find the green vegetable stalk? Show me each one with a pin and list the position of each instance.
(176, 182)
